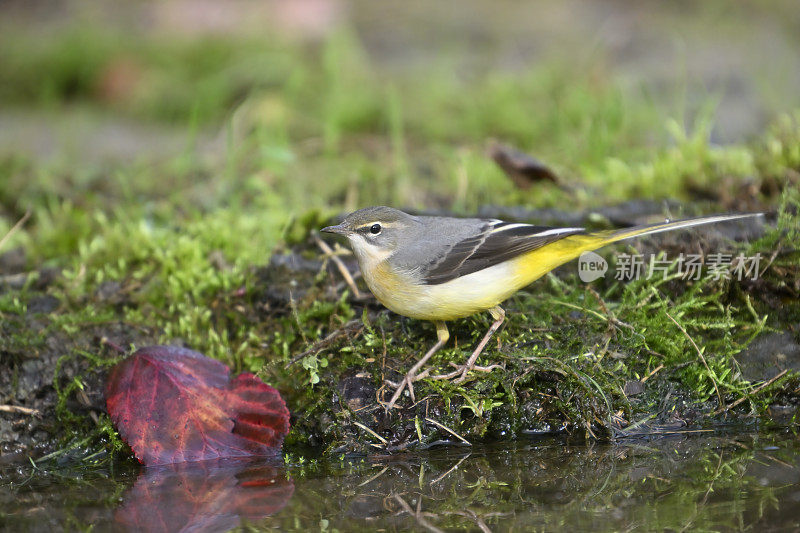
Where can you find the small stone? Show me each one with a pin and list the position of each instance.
(768, 355)
(357, 391)
(109, 292)
(633, 388)
(13, 261)
(43, 304)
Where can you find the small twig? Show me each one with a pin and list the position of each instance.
(634, 425)
(368, 430)
(373, 478)
(651, 374)
(755, 391)
(782, 463)
(113, 345)
(339, 264)
(771, 260)
(612, 320)
(651, 352)
(416, 514)
(472, 515)
(601, 316)
(684, 431)
(19, 409)
(379, 392)
(62, 451)
(455, 467)
(447, 429)
(702, 358)
(321, 344)
(426, 398)
(15, 228)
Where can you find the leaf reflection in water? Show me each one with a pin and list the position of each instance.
(204, 496)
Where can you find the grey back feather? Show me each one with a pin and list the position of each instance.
(440, 249)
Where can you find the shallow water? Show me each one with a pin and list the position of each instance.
(692, 481)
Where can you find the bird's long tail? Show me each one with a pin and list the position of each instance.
(607, 237)
(537, 263)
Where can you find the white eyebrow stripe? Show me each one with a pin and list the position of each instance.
(556, 231)
(381, 224)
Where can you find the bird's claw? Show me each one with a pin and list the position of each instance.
(408, 381)
(460, 373)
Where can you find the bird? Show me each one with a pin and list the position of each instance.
(440, 269)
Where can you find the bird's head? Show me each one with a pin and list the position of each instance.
(376, 232)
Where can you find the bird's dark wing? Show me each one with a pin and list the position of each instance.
(494, 243)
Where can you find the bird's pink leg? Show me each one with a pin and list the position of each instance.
(443, 335)
(499, 316)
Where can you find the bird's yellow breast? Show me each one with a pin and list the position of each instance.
(405, 294)
(398, 291)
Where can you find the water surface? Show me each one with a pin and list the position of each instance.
(725, 480)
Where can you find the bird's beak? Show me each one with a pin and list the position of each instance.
(340, 230)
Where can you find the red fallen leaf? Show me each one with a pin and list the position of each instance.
(173, 405)
(204, 496)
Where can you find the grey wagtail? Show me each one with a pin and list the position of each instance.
(442, 268)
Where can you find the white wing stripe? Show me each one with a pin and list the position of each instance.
(557, 231)
(554, 231)
(511, 226)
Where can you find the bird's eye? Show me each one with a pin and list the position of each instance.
(375, 229)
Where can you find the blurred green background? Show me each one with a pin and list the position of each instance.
(164, 109)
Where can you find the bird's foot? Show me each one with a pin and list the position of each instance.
(460, 374)
(412, 376)
(408, 381)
